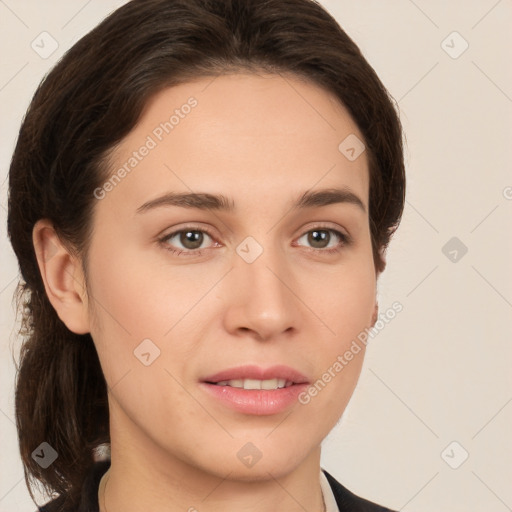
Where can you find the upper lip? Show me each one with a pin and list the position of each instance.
(279, 371)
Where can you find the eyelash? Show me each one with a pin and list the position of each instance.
(345, 240)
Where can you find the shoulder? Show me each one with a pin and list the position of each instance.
(347, 500)
(88, 501)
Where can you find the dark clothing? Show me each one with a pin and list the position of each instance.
(347, 502)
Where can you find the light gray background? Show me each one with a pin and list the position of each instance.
(440, 371)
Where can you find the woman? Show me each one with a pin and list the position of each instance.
(200, 200)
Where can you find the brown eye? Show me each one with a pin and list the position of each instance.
(185, 240)
(319, 239)
(191, 239)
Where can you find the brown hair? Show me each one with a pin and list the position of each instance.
(92, 99)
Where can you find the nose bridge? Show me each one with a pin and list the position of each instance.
(262, 266)
(265, 301)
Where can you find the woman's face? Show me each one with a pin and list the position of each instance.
(265, 282)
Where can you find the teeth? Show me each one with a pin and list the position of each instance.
(256, 384)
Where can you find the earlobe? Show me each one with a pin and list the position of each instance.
(62, 276)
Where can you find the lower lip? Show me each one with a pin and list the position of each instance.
(255, 401)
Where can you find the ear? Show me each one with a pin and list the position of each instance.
(62, 276)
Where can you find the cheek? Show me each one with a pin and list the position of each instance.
(136, 298)
(345, 308)
(346, 302)
(132, 296)
(125, 307)
(339, 354)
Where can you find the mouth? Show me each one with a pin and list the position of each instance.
(255, 390)
(255, 377)
(267, 384)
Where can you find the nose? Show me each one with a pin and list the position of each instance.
(262, 296)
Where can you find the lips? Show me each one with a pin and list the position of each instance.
(255, 372)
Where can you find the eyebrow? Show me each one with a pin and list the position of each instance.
(219, 202)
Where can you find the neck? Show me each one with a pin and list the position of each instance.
(145, 476)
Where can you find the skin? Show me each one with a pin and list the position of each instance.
(261, 141)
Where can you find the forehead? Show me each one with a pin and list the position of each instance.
(268, 133)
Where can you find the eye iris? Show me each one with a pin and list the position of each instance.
(318, 236)
(195, 237)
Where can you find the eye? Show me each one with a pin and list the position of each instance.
(321, 237)
(191, 240)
